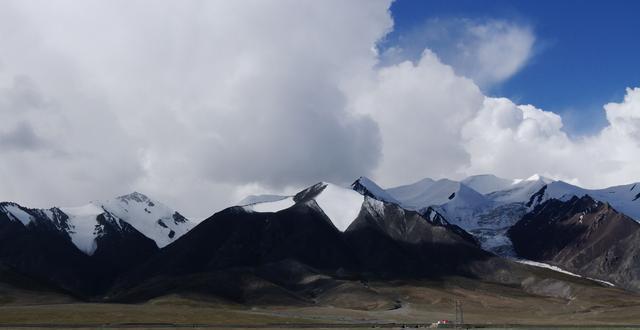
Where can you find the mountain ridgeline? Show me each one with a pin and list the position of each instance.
(298, 247)
(84, 249)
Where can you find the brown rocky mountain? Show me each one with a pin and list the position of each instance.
(583, 236)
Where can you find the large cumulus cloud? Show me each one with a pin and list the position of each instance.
(185, 100)
(420, 109)
(519, 140)
(201, 102)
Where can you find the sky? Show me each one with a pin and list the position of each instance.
(200, 103)
(583, 56)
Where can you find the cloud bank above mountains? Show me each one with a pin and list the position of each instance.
(200, 102)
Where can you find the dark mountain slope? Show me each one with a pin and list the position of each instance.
(405, 244)
(46, 254)
(583, 236)
(120, 247)
(239, 239)
(42, 249)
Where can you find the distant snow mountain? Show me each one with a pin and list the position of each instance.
(367, 187)
(624, 198)
(487, 205)
(85, 224)
(84, 249)
(488, 183)
(520, 191)
(341, 205)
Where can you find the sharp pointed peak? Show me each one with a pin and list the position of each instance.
(135, 196)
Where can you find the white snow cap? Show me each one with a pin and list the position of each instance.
(150, 217)
(270, 205)
(373, 188)
(254, 199)
(340, 205)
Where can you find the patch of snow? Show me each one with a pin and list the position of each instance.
(520, 192)
(83, 226)
(17, 214)
(340, 205)
(487, 183)
(538, 177)
(410, 192)
(254, 199)
(558, 269)
(273, 206)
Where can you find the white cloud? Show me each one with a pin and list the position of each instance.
(189, 98)
(493, 52)
(487, 51)
(420, 109)
(517, 141)
(199, 102)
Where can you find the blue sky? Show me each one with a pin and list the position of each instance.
(586, 52)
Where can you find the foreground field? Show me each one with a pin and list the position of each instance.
(381, 304)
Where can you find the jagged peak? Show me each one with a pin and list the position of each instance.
(368, 187)
(134, 196)
(362, 179)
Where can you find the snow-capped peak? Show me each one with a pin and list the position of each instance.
(15, 212)
(341, 205)
(367, 187)
(427, 193)
(150, 217)
(84, 224)
(135, 197)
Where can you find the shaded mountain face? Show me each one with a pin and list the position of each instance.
(392, 242)
(291, 248)
(328, 231)
(82, 249)
(584, 236)
(41, 250)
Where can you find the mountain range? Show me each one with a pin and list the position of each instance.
(298, 247)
